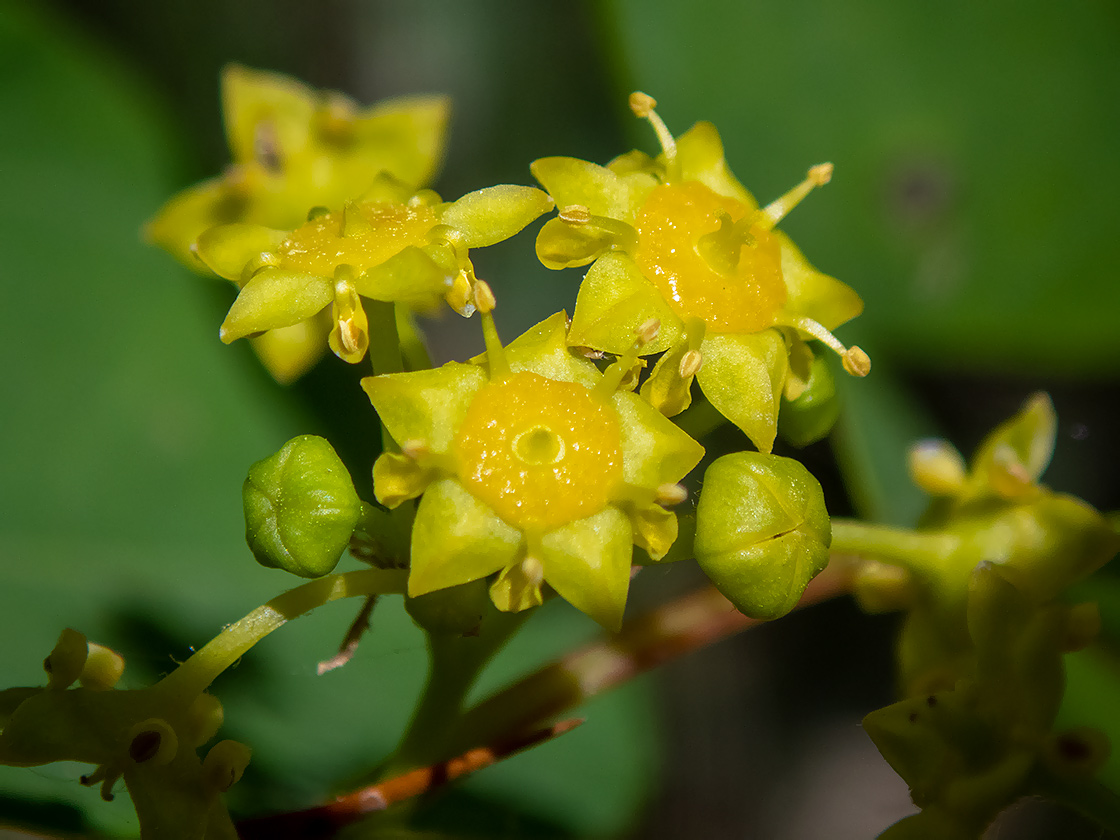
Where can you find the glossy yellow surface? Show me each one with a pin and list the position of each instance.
(382, 231)
(541, 453)
(670, 225)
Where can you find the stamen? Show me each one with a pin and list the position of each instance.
(855, 361)
(485, 302)
(669, 495)
(776, 210)
(642, 104)
(691, 362)
(614, 375)
(415, 449)
(575, 214)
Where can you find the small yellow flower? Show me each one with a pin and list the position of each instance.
(391, 245)
(678, 239)
(294, 148)
(532, 464)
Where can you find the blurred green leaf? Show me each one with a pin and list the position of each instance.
(127, 432)
(975, 151)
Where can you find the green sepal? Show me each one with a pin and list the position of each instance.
(494, 214)
(275, 298)
(811, 294)
(227, 249)
(742, 377)
(655, 450)
(571, 181)
(410, 277)
(811, 416)
(457, 539)
(588, 563)
(425, 405)
(762, 531)
(614, 300)
(300, 508)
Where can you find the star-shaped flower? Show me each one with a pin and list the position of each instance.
(294, 148)
(392, 244)
(678, 239)
(532, 464)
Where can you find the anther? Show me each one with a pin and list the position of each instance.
(669, 495)
(856, 362)
(575, 214)
(642, 104)
(776, 210)
(350, 335)
(415, 449)
(648, 331)
(484, 299)
(691, 362)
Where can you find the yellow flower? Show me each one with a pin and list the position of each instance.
(391, 245)
(679, 240)
(294, 148)
(532, 464)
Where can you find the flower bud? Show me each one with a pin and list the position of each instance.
(103, 668)
(762, 531)
(300, 508)
(225, 763)
(65, 663)
(811, 416)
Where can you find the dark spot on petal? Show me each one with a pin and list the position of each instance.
(144, 746)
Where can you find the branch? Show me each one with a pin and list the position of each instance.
(325, 821)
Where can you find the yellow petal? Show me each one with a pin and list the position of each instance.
(425, 405)
(614, 301)
(814, 295)
(588, 563)
(654, 450)
(275, 298)
(742, 378)
(289, 352)
(572, 181)
(491, 215)
(457, 539)
(655, 530)
(227, 249)
(700, 154)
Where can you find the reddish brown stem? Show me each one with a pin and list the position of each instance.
(325, 820)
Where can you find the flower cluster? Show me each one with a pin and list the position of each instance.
(678, 239)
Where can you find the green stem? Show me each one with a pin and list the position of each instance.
(192, 677)
(917, 551)
(384, 343)
(454, 664)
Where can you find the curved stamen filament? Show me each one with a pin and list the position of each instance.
(855, 361)
(613, 376)
(776, 210)
(642, 104)
(485, 302)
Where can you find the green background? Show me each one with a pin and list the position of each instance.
(972, 207)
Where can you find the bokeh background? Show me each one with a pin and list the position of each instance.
(973, 207)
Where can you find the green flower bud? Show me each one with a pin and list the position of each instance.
(300, 508)
(811, 416)
(225, 763)
(762, 531)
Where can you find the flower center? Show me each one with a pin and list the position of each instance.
(704, 264)
(363, 235)
(540, 452)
